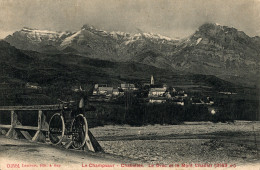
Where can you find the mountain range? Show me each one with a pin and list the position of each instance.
(213, 49)
(57, 74)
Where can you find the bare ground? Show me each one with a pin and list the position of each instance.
(197, 142)
(191, 143)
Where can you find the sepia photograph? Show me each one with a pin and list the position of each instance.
(129, 84)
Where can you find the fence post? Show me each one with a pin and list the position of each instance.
(44, 125)
(92, 144)
(11, 132)
(38, 135)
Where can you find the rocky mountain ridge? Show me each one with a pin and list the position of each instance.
(212, 50)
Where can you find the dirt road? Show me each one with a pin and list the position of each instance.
(32, 155)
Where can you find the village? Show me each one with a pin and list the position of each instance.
(148, 93)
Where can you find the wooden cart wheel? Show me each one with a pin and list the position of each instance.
(79, 129)
(56, 128)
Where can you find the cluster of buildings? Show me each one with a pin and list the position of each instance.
(152, 93)
(103, 89)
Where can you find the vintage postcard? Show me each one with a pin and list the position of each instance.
(129, 84)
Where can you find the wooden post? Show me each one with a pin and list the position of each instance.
(44, 124)
(39, 135)
(96, 146)
(39, 120)
(88, 145)
(26, 134)
(11, 132)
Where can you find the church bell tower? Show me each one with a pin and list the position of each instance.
(152, 80)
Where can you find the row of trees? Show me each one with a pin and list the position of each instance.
(146, 113)
(131, 110)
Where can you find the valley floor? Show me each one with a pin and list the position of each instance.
(193, 144)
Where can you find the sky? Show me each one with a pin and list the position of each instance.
(172, 18)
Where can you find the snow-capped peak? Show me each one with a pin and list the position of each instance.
(63, 39)
(69, 39)
(25, 29)
(119, 33)
(36, 35)
(157, 36)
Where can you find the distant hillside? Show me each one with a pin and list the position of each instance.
(69, 70)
